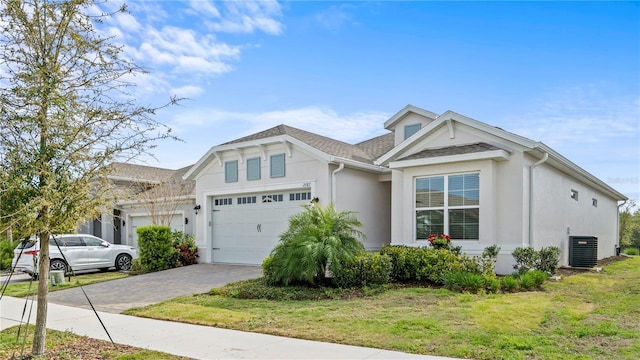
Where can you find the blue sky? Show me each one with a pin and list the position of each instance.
(564, 73)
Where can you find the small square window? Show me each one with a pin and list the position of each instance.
(253, 168)
(594, 202)
(574, 194)
(410, 130)
(231, 171)
(277, 166)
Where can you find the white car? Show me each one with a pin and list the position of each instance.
(81, 251)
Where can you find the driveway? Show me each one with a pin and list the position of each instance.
(118, 295)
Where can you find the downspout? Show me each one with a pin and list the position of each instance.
(618, 226)
(542, 161)
(333, 182)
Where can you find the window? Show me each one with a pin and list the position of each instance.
(231, 171)
(410, 130)
(277, 165)
(574, 194)
(272, 198)
(70, 241)
(448, 204)
(246, 200)
(594, 202)
(253, 169)
(300, 196)
(221, 202)
(92, 241)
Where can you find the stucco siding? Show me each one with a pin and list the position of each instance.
(370, 198)
(556, 216)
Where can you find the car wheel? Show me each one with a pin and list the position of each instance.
(58, 265)
(123, 262)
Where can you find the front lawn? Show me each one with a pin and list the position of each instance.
(584, 316)
(27, 288)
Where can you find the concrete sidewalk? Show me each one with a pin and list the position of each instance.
(192, 341)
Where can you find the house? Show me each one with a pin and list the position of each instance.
(429, 174)
(145, 195)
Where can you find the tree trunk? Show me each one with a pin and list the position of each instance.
(39, 336)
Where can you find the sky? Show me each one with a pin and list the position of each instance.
(563, 73)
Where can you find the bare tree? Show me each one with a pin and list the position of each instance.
(162, 201)
(65, 114)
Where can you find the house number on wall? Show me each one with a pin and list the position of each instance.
(259, 227)
(306, 185)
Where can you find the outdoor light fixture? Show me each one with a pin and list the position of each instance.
(315, 200)
(186, 221)
(196, 208)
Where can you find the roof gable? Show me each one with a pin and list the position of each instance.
(324, 147)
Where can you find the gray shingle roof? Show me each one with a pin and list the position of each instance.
(163, 181)
(451, 150)
(364, 152)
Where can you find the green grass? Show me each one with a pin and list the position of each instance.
(585, 316)
(28, 288)
(66, 345)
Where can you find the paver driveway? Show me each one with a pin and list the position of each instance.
(118, 295)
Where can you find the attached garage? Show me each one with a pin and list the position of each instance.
(245, 228)
(177, 224)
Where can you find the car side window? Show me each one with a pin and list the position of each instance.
(72, 241)
(92, 241)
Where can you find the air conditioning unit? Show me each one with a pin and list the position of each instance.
(583, 251)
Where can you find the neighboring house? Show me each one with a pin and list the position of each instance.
(145, 195)
(431, 174)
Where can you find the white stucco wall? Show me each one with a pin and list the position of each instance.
(556, 216)
(370, 198)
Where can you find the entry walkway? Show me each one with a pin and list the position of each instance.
(192, 341)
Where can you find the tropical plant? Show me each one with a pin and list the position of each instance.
(441, 241)
(186, 249)
(318, 240)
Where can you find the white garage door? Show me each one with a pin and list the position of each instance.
(139, 221)
(247, 227)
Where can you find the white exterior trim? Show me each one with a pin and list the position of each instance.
(497, 155)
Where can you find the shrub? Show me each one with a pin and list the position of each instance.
(6, 253)
(533, 279)
(509, 283)
(545, 259)
(186, 249)
(548, 259)
(364, 270)
(464, 281)
(631, 251)
(420, 264)
(525, 259)
(491, 283)
(156, 248)
(136, 267)
(318, 240)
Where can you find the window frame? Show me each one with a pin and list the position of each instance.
(411, 129)
(257, 162)
(272, 158)
(446, 208)
(229, 176)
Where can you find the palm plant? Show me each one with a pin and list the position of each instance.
(318, 240)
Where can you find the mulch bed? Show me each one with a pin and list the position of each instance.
(84, 348)
(567, 271)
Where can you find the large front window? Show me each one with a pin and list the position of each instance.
(448, 204)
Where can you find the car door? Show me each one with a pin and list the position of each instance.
(73, 249)
(98, 252)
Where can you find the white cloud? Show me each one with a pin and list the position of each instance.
(581, 114)
(187, 91)
(203, 8)
(248, 17)
(335, 17)
(350, 128)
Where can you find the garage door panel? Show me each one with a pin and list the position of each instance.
(247, 233)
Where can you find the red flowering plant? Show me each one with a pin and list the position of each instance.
(441, 241)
